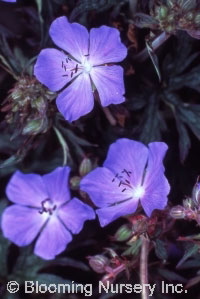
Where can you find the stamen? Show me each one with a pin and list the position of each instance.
(47, 209)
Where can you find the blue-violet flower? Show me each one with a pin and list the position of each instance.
(43, 208)
(131, 173)
(85, 65)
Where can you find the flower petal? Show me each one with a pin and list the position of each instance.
(109, 214)
(74, 214)
(129, 155)
(26, 189)
(109, 83)
(194, 33)
(77, 99)
(101, 188)
(56, 183)
(22, 224)
(106, 46)
(71, 37)
(52, 240)
(155, 183)
(53, 69)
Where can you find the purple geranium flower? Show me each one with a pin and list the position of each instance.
(131, 172)
(9, 0)
(43, 207)
(89, 55)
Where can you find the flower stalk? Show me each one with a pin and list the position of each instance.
(144, 266)
(159, 40)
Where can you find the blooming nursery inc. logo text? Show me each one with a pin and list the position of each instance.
(87, 289)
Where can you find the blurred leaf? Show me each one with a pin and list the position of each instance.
(64, 145)
(151, 129)
(85, 6)
(11, 161)
(191, 263)
(171, 276)
(142, 20)
(4, 243)
(154, 58)
(184, 139)
(191, 282)
(190, 251)
(133, 249)
(188, 5)
(48, 279)
(69, 262)
(137, 101)
(160, 249)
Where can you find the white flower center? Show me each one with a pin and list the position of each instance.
(87, 66)
(138, 192)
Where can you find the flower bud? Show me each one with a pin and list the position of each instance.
(197, 19)
(189, 16)
(161, 11)
(98, 263)
(170, 18)
(188, 203)
(75, 182)
(35, 126)
(85, 167)
(177, 212)
(123, 233)
(170, 3)
(196, 194)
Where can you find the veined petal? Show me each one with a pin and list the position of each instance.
(155, 183)
(106, 46)
(109, 214)
(129, 155)
(102, 187)
(74, 214)
(52, 240)
(71, 37)
(26, 189)
(109, 83)
(22, 224)
(56, 184)
(77, 99)
(53, 68)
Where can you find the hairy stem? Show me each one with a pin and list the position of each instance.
(109, 116)
(144, 266)
(143, 55)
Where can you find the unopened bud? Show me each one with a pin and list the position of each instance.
(170, 3)
(177, 212)
(197, 19)
(189, 16)
(196, 194)
(161, 11)
(98, 263)
(170, 28)
(85, 167)
(123, 233)
(75, 182)
(39, 104)
(170, 18)
(35, 126)
(188, 203)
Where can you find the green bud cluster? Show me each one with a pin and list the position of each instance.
(177, 15)
(28, 107)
